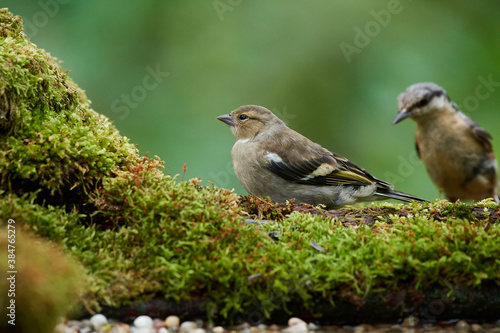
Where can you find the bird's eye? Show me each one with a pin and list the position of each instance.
(243, 116)
(423, 102)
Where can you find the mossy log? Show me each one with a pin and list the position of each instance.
(148, 242)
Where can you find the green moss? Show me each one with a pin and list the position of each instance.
(459, 209)
(68, 176)
(174, 247)
(50, 139)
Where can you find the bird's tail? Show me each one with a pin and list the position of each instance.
(393, 194)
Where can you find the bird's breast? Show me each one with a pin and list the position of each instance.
(452, 155)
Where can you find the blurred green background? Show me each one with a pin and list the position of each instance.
(332, 70)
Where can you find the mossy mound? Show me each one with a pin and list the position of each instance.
(50, 139)
(143, 237)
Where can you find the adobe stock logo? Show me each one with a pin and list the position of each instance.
(138, 93)
(41, 18)
(483, 91)
(372, 29)
(221, 7)
(406, 168)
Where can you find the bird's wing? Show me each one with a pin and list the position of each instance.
(483, 137)
(324, 168)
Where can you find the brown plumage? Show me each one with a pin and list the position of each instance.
(456, 151)
(273, 160)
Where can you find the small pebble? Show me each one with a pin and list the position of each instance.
(295, 321)
(218, 329)
(359, 329)
(428, 327)
(120, 328)
(144, 323)
(367, 328)
(462, 326)
(172, 322)
(98, 321)
(74, 324)
(60, 328)
(476, 327)
(313, 327)
(296, 325)
(86, 327)
(262, 327)
(410, 322)
(158, 323)
(254, 329)
(163, 330)
(273, 328)
(187, 327)
(243, 328)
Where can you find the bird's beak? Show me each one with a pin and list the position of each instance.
(226, 118)
(402, 115)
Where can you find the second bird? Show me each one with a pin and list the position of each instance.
(273, 160)
(456, 151)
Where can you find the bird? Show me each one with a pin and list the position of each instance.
(272, 160)
(456, 151)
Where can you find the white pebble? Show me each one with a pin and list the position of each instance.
(98, 321)
(313, 327)
(462, 326)
(296, 325)
(143, 322)
(60, 328)
(162, 330)
(295, 321)
(218, 329)
(187, 327)
(172, 321)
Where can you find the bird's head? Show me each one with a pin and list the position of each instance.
(420, 100)
(249, 120)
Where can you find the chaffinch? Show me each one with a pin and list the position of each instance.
(456, 151)
(272, 160)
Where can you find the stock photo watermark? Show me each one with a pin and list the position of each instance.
(11, 271)
(137, 94)
(406, 168)
(483, 91)
(435, 307)
(283, 114)
(363, 36)
(224, 6)
(48, 9)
